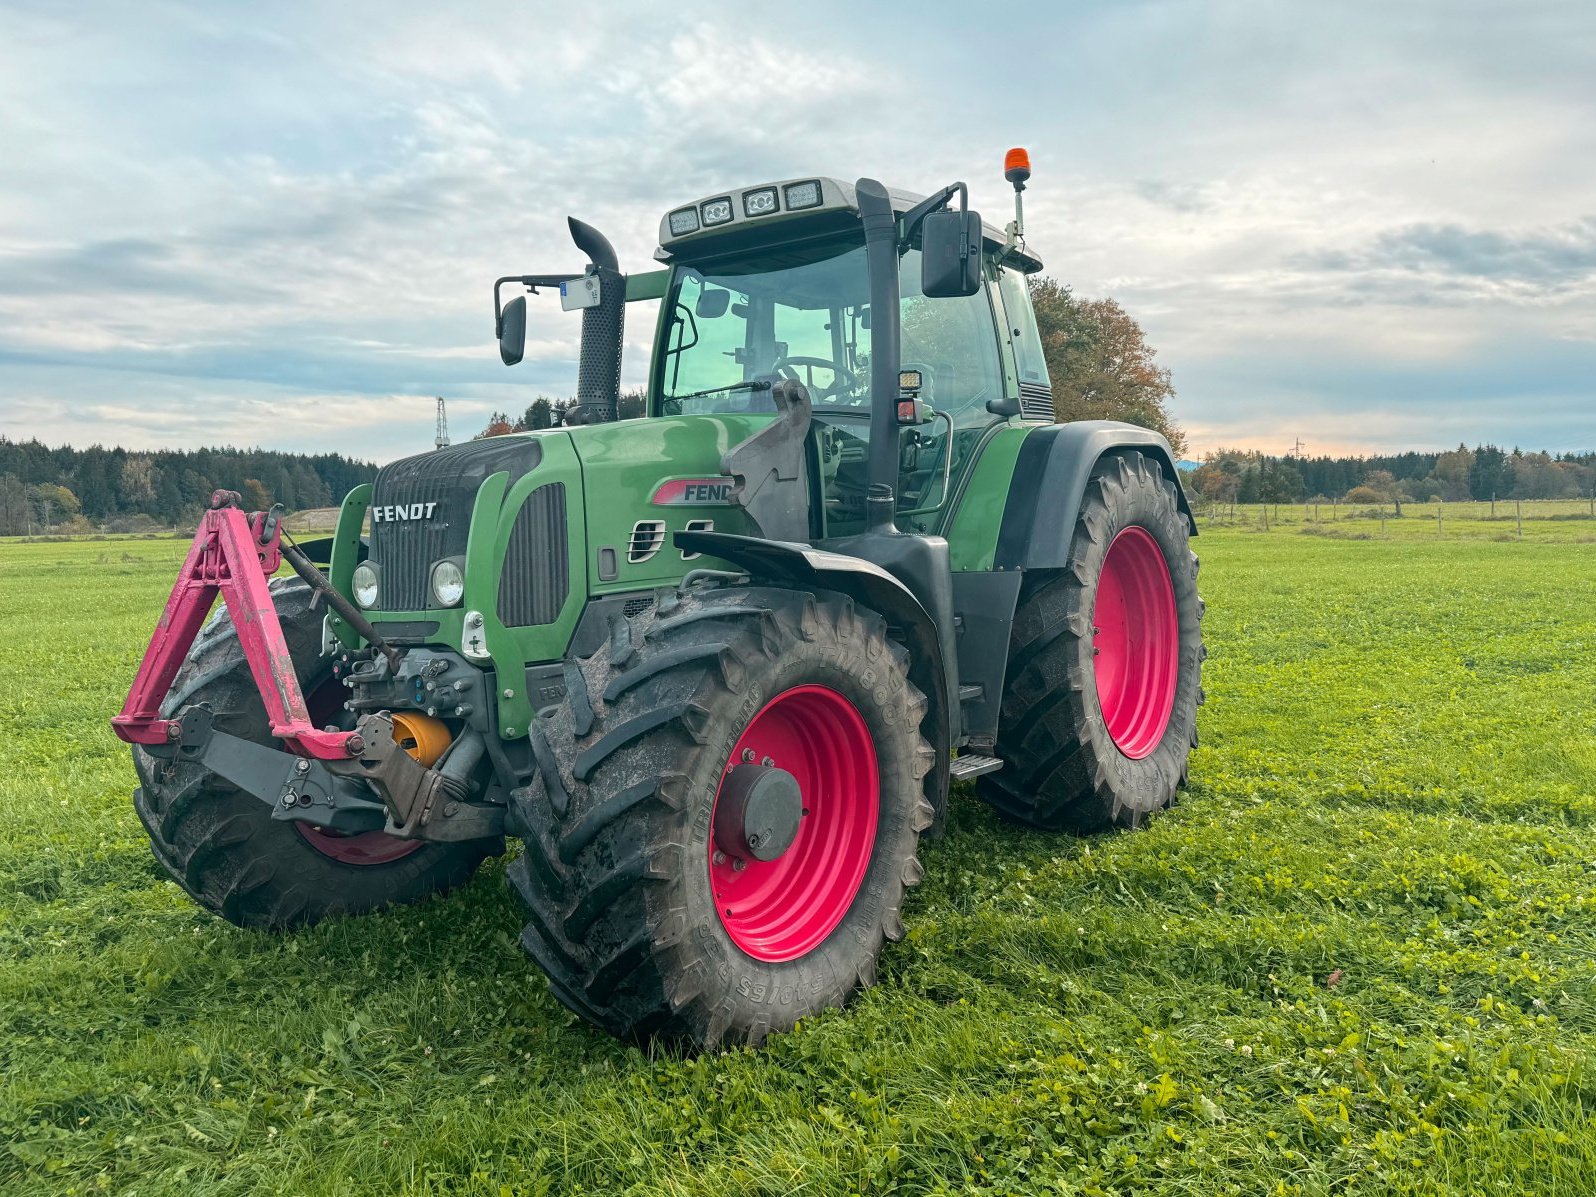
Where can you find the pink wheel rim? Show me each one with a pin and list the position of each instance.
(325, 704)
(1136, 643)
(784, 908)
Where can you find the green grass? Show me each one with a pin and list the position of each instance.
(1396, 790)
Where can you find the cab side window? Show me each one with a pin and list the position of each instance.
(953, 343)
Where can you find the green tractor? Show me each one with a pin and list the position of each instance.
(715, 668)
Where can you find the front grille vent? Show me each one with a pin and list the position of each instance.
(648, 537)
(1036, 402)
(535, 579)
(696, 526)
(421, 511)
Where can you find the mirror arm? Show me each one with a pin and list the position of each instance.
(531, 282)
(909, 222)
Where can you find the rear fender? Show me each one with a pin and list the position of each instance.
(1050, 477)
(866, 583)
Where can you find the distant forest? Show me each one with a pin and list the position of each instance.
(82, 490)
(119, 490)
(1484, 472)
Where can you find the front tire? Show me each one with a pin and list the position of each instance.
(223, 847)
(649, 922)
(1099, 709)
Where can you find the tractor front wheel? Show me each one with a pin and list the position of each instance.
(223, 847)
(727, 815)
(1100, 704)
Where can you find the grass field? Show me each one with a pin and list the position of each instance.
(1360, 956)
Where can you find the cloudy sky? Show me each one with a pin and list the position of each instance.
(1370, 226)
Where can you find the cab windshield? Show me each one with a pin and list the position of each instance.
(732, 330)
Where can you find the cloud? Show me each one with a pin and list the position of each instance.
(283, 221)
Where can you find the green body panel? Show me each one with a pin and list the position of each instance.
(648, 285)
(610, 473)
(623, 465)
(972, 532)
(346, 555)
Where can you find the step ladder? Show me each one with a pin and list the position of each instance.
(971, 765)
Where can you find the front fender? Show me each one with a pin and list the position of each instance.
(1050, 477)
(866, 583)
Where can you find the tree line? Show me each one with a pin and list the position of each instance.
(1482, 473)
(78, 490)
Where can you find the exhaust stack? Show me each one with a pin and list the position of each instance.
(598, 379)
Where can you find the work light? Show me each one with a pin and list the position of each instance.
(364, 583)
(717, 211)
(684, 222)
(448, 583)
(802, 195)
(759, 203)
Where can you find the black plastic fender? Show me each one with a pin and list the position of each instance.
(869, 584)
(1050, 478)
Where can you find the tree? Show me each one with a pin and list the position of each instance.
(1490, 475)
(256, 496)
(1383, 484)
(1100, 362)
(15, 511)
(1452, 471)
(54, 502)
(539, 414)
(498, 425)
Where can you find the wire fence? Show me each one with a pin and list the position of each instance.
(1502, 519)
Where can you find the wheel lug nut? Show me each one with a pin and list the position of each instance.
(719, 858)
(739, 865)
(748, 754)
(767, 762)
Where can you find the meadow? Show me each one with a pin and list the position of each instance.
(1358, 957)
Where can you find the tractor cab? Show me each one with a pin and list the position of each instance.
(773, 283)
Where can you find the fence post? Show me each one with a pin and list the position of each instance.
(1382, 523)
(1438, 509)
(1518, 509)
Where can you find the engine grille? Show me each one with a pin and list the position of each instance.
(648, 537)
(535, 578)
(404, 548)
(1036, 402)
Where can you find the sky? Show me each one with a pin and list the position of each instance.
(1364, 227)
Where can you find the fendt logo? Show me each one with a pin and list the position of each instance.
(693, 492)
(393, 513)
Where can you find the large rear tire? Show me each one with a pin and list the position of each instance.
(1100, 704)
(648, 920)
(222, 846)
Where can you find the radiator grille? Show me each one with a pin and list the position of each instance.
(405, 547)
(535, 578)
(1036, 402)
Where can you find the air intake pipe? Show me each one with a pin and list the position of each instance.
(598, 377)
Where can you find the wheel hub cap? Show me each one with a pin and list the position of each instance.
(757, 814)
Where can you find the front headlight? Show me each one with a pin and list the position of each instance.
(448, 583)
(364, 584)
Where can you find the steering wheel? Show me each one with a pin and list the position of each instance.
(842, 378)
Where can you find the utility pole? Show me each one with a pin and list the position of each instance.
(1296, 449)
(441, 439)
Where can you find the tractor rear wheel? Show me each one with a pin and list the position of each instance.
(223, 847)
(727, 816)
(1100, 704)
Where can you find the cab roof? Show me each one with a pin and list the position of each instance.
(734, 219)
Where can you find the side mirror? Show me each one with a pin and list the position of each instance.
(950, 254)
(512, 331)
(712, 305)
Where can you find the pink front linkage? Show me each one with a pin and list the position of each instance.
(233, 554)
